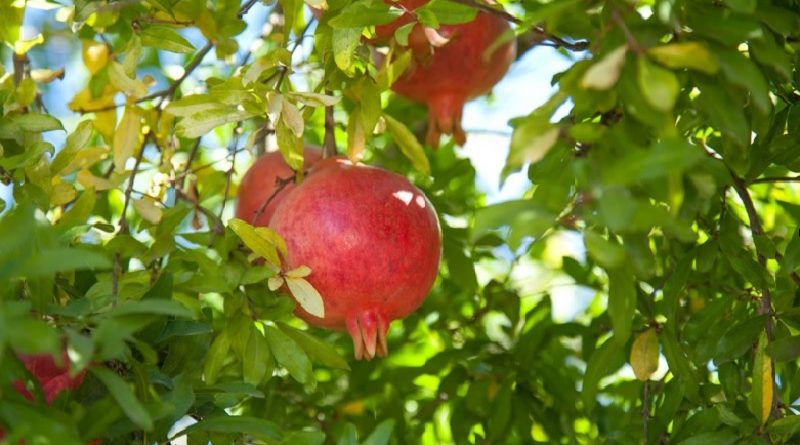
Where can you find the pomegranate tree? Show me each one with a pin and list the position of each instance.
(372, 241)
(261, 182)
(466, 62)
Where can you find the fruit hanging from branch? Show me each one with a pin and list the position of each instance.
(265, 184)
(451, 65)
(372, 241)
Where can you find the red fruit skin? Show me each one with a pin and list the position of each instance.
(53, 378)
(446, 77)
(372, 241)
(260, 182)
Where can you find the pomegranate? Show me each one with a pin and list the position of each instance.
(372, 241)
(53, 378)
(466, 63)
(261, 181)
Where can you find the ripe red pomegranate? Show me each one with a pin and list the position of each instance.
(260, 182)
(372, 241)
(468, 64)
(53, 378)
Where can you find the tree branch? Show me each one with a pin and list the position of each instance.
(166, 92)
(536, 35)
(329, 148)
(280, 184)
(765, 305)
(123, 221)
(770, 179)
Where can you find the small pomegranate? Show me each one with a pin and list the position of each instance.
(466, 62)
(261, 181)
(53, 378)
(372, 241)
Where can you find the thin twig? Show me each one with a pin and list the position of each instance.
(538, 30)
(769, 179)
(329, 147)
(167, 92)
(765, 305)
(633, 44)
(280, 184)
(123, 221)
(646, 412)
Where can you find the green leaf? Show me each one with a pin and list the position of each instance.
(621, 302)
(62, 259)
(785, 349)
(408, 144)
(345, 42)
(30, 336)
(716, 438)
(166, 38)
(739, 338)
(258, 359)
(125, 398)
(659, 86)
(164, 307)
(215, 357)
(317, 350)
(668, 157)
(315, 99)
(449, 12)
(607, 254)
(304, 438)
(692, 55)
(36, 122)
(198, 124)
(606, 359)
(787, 427)
(760, 398)
(76, 141)
(381, 435)
(289, 354)
(362, 13)
(254, 426)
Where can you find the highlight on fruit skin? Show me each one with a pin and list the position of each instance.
(451, 65)
(372, 241)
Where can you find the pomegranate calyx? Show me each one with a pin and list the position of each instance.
(368, 329)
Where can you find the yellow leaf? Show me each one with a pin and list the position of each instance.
(275, 283)
(760, 398)
(262, 240)
(85, 158)
(62, 194)
(692, 55)
(644, 354)
(300, 272)
(88, 180)
(148, 209)
(95, 55)
(308, 297)
(605, 73)
(121, 81)
(126, 138)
